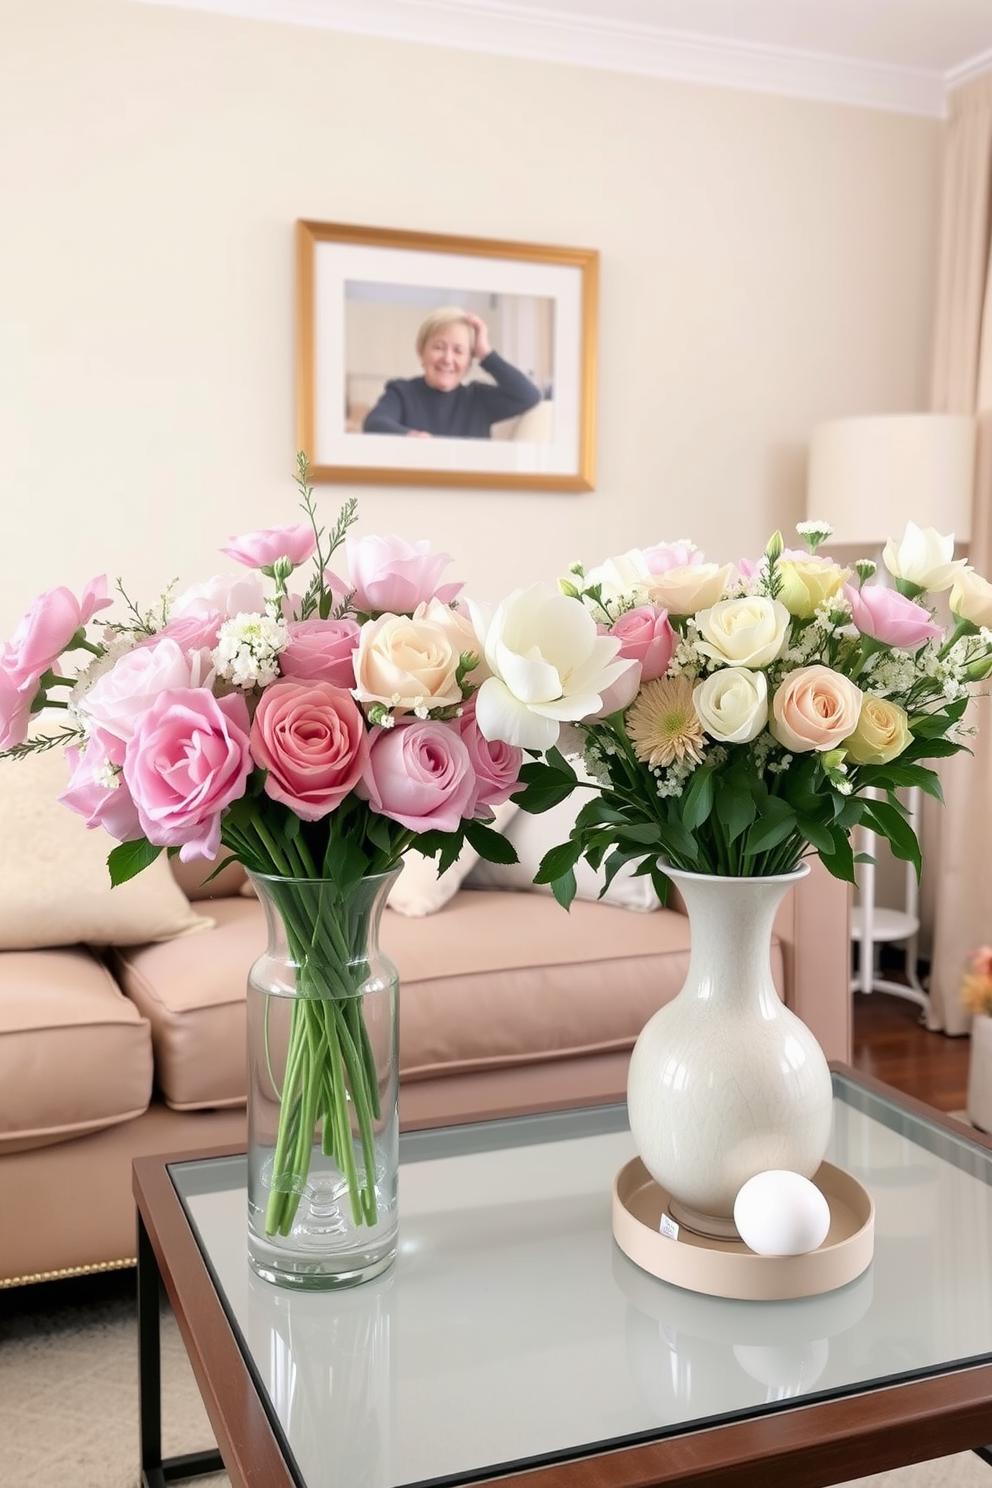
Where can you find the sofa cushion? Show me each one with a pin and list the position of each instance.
(193, 994)
(55, 889)
(75, 1054)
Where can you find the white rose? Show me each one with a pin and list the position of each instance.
(744, 632)
(923, 558)
(225, 594)
(409, 663)
(683, 591)
(971, 597)
(732, 705)
(625, 577)
(549, 666)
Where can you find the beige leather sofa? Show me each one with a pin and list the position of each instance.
(508, 1003)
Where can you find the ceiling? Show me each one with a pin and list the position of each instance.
(903, 55)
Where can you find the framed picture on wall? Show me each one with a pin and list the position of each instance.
(445, 361)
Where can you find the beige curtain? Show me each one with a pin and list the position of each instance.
(958, 859)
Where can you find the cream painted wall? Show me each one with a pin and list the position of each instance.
(766, 263)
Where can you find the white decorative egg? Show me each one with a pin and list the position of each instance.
(779, 1213)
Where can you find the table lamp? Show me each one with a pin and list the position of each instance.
(867, 478)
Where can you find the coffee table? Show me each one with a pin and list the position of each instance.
(514, 1339)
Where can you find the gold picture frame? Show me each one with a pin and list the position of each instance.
(361, 295)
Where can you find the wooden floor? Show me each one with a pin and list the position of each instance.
(892, 1044)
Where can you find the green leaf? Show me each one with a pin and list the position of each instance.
(697, 803)
(735, 810)
(564, 889)
(889, 822)
(128, 859)
(558, 861)
(490, 844)
(769, 832)
(816, 834)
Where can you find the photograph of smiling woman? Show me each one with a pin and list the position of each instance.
(442, 403)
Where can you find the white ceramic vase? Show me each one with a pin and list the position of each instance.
(980, 1073)
(725, 1081)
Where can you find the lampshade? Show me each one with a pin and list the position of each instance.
(868, 477)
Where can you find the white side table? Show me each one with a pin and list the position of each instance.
(872, 926)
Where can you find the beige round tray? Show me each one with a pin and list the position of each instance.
(727, 1268)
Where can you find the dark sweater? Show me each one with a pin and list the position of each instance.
(467, 412)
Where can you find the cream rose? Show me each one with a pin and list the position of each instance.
(815, 708)
(409, 663)
(807, 583)
(971, 597)
(923, 558)
(732, 705)
(748, 632)
(882, 732)
(683, 591)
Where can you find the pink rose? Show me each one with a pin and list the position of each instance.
(311, 738)
(814, 708)
(265, 547)
(226, 594)
(96, 789)
(889, 617)
(389, 573)
(119, 698)
(193, 632)
(321, 651)
(420, 774)
(664, 556)
(45, 631)
(496, 765)
(187, 759)
(645, 635)
(15, 710)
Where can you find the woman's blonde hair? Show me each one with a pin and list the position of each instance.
(445, 316)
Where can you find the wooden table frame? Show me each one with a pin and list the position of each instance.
(806, 1446)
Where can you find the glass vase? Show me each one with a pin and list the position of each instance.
(323, 1084)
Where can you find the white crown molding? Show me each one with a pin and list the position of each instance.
(527, 31)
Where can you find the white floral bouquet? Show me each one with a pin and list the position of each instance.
(315, 727)
(768, 708)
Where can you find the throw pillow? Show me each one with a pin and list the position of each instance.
(420, 891)
(54, 885)
(533, 836)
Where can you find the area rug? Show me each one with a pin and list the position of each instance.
(69, 1396)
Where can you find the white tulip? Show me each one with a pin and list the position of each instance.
(924, 558)
(744, 632)
(732, 705)
(549, 666)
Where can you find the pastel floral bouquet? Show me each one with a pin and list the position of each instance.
(315, 736)
(976, 985)
(770, 706)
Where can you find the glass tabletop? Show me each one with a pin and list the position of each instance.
(513, 1331)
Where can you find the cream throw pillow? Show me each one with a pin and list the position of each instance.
(420, 891)
(533, 836)
(54, 883)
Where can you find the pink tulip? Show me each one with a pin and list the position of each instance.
(645, 635)
(265, 547)
(45, 631)
(496, 765)
(888, 616)
(187, 760)
(321, 651)
(311, 738)
(89, 795)
(420, 774)
(391, 574)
